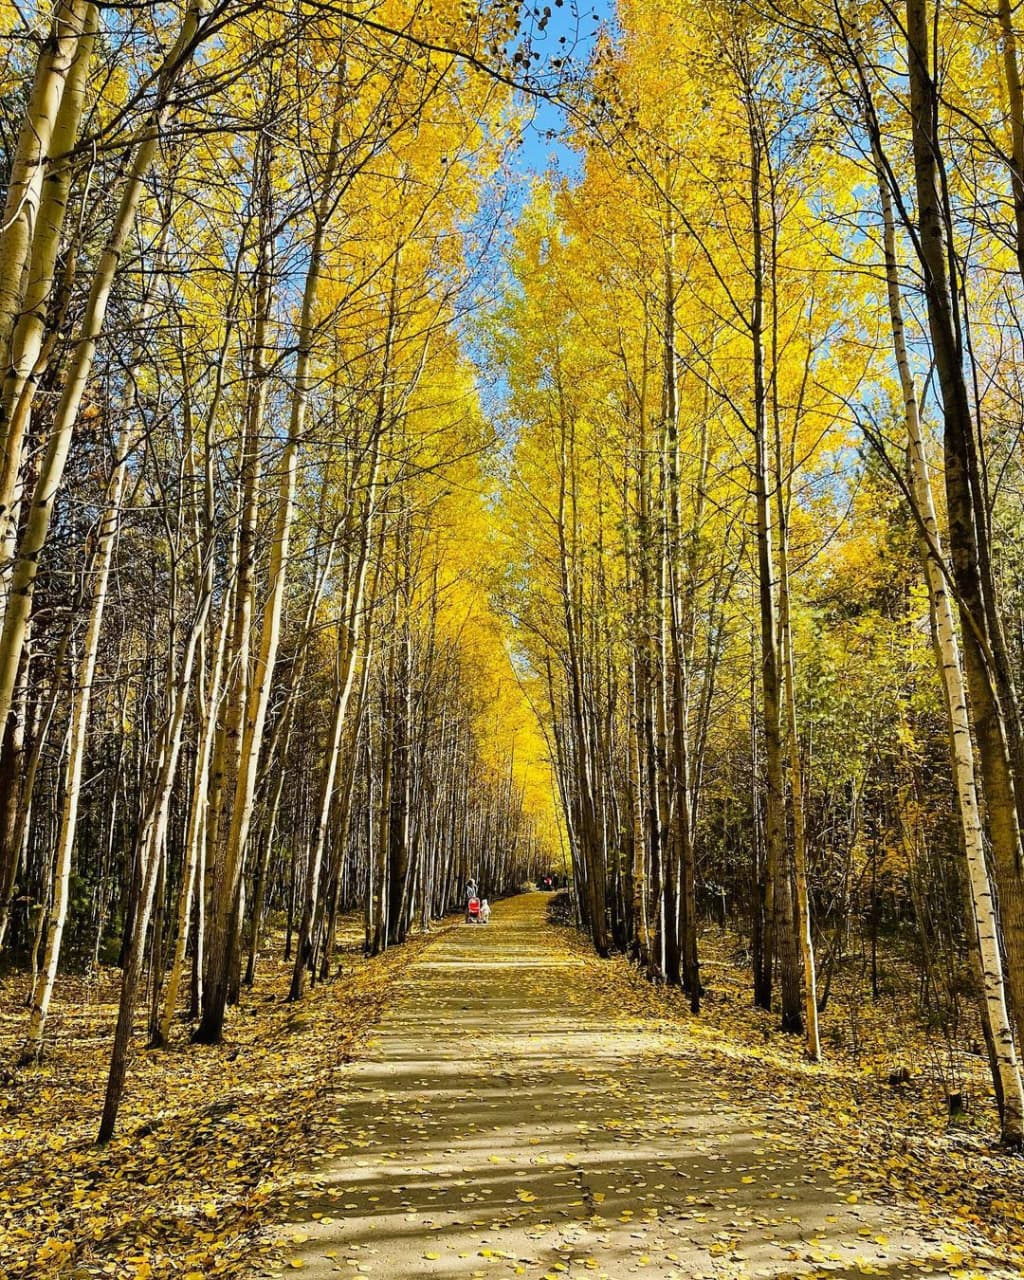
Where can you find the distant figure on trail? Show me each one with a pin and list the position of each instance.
(470, 888)
(485, 911)
(473, 910)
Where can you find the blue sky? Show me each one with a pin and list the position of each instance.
(568, 33)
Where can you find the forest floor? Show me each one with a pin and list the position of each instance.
(525, 1109)
(495, 1102)
(206, 1134)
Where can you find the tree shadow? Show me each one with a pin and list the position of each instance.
(511, 1121)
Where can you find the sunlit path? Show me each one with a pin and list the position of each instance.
(510, 1119)
(451, 448)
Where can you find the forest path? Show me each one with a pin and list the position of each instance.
(513, 1117)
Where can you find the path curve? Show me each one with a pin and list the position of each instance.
(512, 1118)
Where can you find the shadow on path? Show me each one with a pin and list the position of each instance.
(511, 1119)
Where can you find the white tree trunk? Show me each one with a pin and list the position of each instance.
(803, 898)
(151, 843)
(350, 651)
(51, 471)
(81, 697)
(233, 862)
(195, 835)
(24, 349)
(986, 923)
(21, 205)
(106, 539)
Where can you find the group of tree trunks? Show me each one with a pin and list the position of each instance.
(275, 611)
(239, 670)
(697, 326)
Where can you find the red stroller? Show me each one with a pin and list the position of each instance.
(473, 910)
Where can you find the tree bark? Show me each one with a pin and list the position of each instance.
(995, 1008)
(51, 471)
(960, 456)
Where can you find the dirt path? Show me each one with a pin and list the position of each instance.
(513, 1118)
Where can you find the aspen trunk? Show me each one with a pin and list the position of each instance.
(226, 913)
(278, 752)
(26, 341)
(207, 708)
(350, 629)
(82, 697)
(342, 830)
(641, 924)
(995, 1009)
(593, 887)
(21, 764)
(151, 842)
(51, 471)
(195, 835)
(18, 222)
(761, 894)
(106, 539)
(682, 964)
(778, 871)
(233, 753)
(1015, 103)
(670, 684)
(960, 446)
(397, 816)
(803, 902)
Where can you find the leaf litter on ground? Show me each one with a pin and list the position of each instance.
(206, 1134)
(893, 1144)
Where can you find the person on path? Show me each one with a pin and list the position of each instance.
(485, 911)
